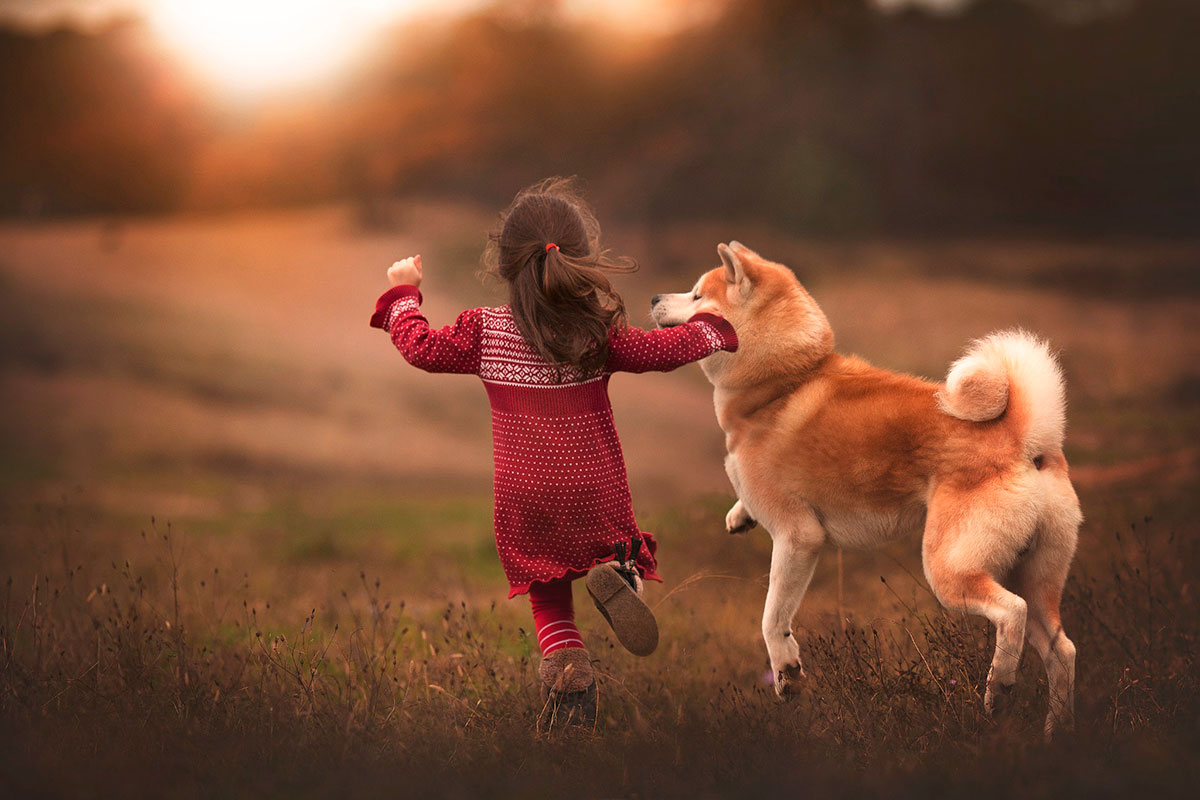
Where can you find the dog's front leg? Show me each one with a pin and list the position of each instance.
(793, 559)
(738, 520)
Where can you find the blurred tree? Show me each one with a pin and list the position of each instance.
(93, 122)
(819, 116)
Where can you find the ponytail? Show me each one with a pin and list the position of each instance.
(547, 249)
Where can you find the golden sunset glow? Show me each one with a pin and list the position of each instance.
(251, 46)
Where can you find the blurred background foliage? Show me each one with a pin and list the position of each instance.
(820, 117)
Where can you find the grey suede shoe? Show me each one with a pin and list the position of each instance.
(569, 690)
(620, 601)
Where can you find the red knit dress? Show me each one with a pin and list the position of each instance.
(561, 494)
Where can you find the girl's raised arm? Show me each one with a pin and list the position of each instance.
(454, 348)
(637, 350)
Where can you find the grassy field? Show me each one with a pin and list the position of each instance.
(248, 551)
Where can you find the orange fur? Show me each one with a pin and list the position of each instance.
(827, 448)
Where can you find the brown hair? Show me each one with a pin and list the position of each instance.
(561, 297)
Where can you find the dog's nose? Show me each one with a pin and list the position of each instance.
(654, 300)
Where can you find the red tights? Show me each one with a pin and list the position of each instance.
(554, 615)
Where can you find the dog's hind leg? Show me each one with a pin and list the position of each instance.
(956, 563)
(1046, 635)
(979, 593)
(793, 559)
(1039, 578)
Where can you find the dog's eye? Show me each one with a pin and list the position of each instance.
(696, 296)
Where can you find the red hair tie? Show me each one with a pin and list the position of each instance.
(552, 244)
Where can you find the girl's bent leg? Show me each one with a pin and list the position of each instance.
(622, 605)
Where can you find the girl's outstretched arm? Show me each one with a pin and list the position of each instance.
(637, 350)
(454, 348)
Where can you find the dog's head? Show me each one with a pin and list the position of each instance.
(780, 327)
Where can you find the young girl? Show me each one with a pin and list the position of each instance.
(562, 504)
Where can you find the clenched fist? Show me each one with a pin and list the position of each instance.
(406, 272)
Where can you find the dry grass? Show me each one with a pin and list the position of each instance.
(155, 678)
(323, 613)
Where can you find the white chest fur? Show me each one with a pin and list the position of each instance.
(852, 528)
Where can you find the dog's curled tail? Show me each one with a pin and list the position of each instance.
(1010, 370)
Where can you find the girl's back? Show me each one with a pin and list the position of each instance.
(562, 504)
(561, 494)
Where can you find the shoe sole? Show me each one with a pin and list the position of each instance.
(631, 619)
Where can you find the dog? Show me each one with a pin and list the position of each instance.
(825, 448)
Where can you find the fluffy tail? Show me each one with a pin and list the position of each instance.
(1010, 370)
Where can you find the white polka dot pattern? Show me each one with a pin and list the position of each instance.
(454, 348)
(561, 493)
(636, 350)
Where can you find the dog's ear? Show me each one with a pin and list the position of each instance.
(735, 270)
(743, 252)
(736, 264)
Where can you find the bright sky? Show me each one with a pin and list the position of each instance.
(250, 47)
(247, 48)
(43, 12)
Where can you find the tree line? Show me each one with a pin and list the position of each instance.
(820, 117)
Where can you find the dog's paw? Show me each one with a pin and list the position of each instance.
(737, 520)
(1058, 728)
(743, 527)
(789, 680)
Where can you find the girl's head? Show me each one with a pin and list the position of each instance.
(547, 249)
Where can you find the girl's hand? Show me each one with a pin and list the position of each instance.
(406, 272)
